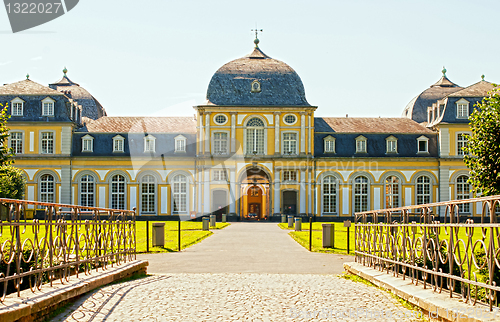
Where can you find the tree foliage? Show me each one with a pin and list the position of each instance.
(12, 182)
(483, 150)
(5, 151)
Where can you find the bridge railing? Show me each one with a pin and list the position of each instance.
(65, 241)
(448, 252)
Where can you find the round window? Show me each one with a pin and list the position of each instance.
(290, 119)
(220, 119)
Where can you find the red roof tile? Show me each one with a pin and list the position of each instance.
(140, 124)
(368, 125)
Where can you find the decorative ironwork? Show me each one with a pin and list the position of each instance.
(68, 241)
(456, 255)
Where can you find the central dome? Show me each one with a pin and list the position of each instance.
(256, 80)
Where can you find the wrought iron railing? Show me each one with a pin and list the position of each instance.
(68, 241)
(449, 253)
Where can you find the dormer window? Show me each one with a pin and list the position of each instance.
(391, 144)
(118, 143)
(48, 107)
(360, 144)
(423, 144)
(329, 142)
(17, 105)
(463, 109)
(149, 143)
(255, 86)
(87, 143)
(180, 143)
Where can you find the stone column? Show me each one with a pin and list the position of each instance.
(233, 132)
(444, 187)
(302, 132)
(277, 132)
(200, 190)
(309, 193)
(232, 191)
(310, 135)
(201, 134)
(302, 192)
(207, 132)
(65, 196)
(206, 193)
(277, 192)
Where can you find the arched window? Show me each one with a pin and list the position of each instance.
(423, 190)
(463, 190)
(87, 191)
(118, 192)
(391, 192)
(148, 194)
(360, 194)
(179, 194)
(47, 188)
(329, 194)
(255, 136)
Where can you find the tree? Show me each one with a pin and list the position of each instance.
(483, 149)
(11, 182)
(5, 151)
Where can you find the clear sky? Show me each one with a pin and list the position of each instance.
(361, 57)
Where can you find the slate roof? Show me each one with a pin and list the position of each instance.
(140, 124)
(91, 107)
(368, 125)
(479, 89)
(27, 87)
(280, 84)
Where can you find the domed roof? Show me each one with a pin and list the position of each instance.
(256, 80)
(91, 108)
(417, 108)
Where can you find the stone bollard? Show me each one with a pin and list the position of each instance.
(158, 234)
(290, 221)
(224, 218)
(205, 221)
(298, 224)
(283, 219)
(328, 235)
(212, 220)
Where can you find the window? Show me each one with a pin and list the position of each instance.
(462, 142)
(47, 188)
(17, 107)
(148, 194)
(329, 144)
(118, 192)
(179, 191)
(47, 142)
(255, 136)
(220, 142)
(290, 119)
(255, 87)
(290, 175)
(423, 144)
(360, 144)
(462, 109)
(87, 143)
(289, 143)
(149, 143)
(87, 190)
(220, 119)
(392, 144)
(360, 194)
(48, 107)
(180, 143)
(329, 194)
(423, 190)
(118, 143)
(463, 191)
(391, 192)
(16, 142)
(220, 175)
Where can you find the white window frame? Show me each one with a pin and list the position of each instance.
(17, 140)
(180, 143)
(47, 188)
(462, 143)
(118, 141)
(391, 144)
(332, 182)
(423, 194)
(361, 144)
(329, 144)
(290, 175)
(53, 139)
(290, 123)
(50, 106)
(180, 205)
(363, 197)
(459, 185)
(218, 142)
(83, 190)
(423, 139)
(117, 193)
(219, 175)
(289, 141)
(149, 143)
(14, 108)
(151, 197)
(255, 131)
(87, 143)
(389, 194)
(462, 109)
(220, 123)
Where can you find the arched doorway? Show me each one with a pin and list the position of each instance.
(255, 202)
(219, 203)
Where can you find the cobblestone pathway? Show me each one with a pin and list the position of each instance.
(237, 297)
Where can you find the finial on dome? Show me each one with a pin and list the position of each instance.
(28, 76)
(444, 71)
(482, 77)
(256, 40)
(65, 70)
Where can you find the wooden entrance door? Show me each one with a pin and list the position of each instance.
(289, 202)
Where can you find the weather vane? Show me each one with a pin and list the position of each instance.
(256, 41)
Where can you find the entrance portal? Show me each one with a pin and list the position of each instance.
(219, 204)
(255, 192)
(290, 202)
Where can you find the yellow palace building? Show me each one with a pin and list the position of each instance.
(254, 150)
